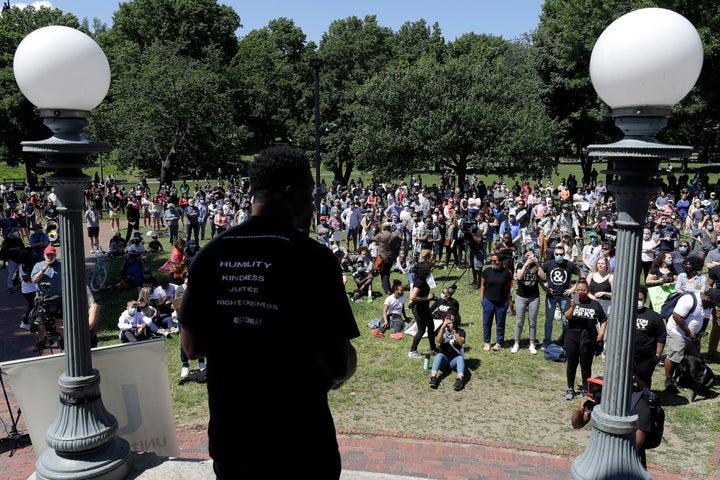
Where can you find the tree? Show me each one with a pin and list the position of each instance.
(170, 114)
(353, 51)
(192, 26)
(478, 108)
(19, 120)
(272, 81)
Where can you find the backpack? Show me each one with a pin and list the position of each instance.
(668, 305)
(555, 353)
(653, 439)
(692, 372)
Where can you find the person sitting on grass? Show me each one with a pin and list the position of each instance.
(155, 246)
(363, 281)
(450, 339)
(393, 313)
(135, 326)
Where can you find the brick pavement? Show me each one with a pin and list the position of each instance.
(421, 456)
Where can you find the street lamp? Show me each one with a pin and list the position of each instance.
(65, 74)
(642, 64)
(316, 63)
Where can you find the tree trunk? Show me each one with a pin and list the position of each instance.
(166, 171)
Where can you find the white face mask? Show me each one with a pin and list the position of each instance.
(641, 304)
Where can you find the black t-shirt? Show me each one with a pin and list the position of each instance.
(442, 307)
(649, 330)
(252, 291)
(527, 286)
(497, 284)
(559, 275)
(586, 316)
(449, 346)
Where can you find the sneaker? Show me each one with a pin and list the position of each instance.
(376, 333)
(163, 332)
(370, 300)
(532, 349)
(486, 347)
(515, 348)
(544, 345)
(569, 394)
(433, 352)
(174, 330)
(184, 372)
(433, 382)
(414, 354)
(670, 386)
(202, 367)
(458, 384)
(396, 336)
(25, 326)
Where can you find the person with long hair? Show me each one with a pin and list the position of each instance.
(662, 272)
(582, 336)
(420, 296)
(176, 265)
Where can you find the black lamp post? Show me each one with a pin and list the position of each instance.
(316, 63)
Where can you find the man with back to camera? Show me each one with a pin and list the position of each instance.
(246, 289)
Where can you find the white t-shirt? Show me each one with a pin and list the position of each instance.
(395, 305)
(693, 320)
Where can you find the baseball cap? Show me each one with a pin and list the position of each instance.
(593, 234)
(50, 250)
(323, 217)
(714, 294)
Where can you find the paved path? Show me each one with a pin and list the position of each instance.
(365, 455)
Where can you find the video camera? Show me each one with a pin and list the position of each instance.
(46, 310)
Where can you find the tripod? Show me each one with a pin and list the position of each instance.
(18, 440)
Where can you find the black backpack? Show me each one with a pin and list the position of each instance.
(693, 373)
(668, 305)
(653, 439)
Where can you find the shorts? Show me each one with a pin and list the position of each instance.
(113, 214)
(678, 347)
(93, 231)
(156, 214)
(352, 232)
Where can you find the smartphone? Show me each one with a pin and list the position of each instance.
(576, 297)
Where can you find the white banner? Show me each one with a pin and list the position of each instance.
(134, 385)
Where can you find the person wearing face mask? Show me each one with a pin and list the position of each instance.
(322, 231)
(495, 284)
(668, 236)
(647, 255)
(683, 253)
(445, 304)
(581, 339)
(133, 324)
(591, 253)
(558, 274)
(706, 237)
(691, 280)
(682, 328)
(650, 337)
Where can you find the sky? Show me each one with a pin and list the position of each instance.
(506, 18)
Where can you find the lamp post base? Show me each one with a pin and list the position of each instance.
(110, 462)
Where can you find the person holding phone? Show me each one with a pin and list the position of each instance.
(581, 339)
(450, 339)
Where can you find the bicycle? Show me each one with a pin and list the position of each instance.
(98, 275)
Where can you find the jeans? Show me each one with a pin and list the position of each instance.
(497, 309)
(532, 306)
(551, 301)
(441, 362)
(12, 266)
(184, 360)
(192, 228)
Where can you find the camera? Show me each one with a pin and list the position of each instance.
(45, 311)
(594, 393)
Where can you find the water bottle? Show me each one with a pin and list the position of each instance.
(426, 363)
